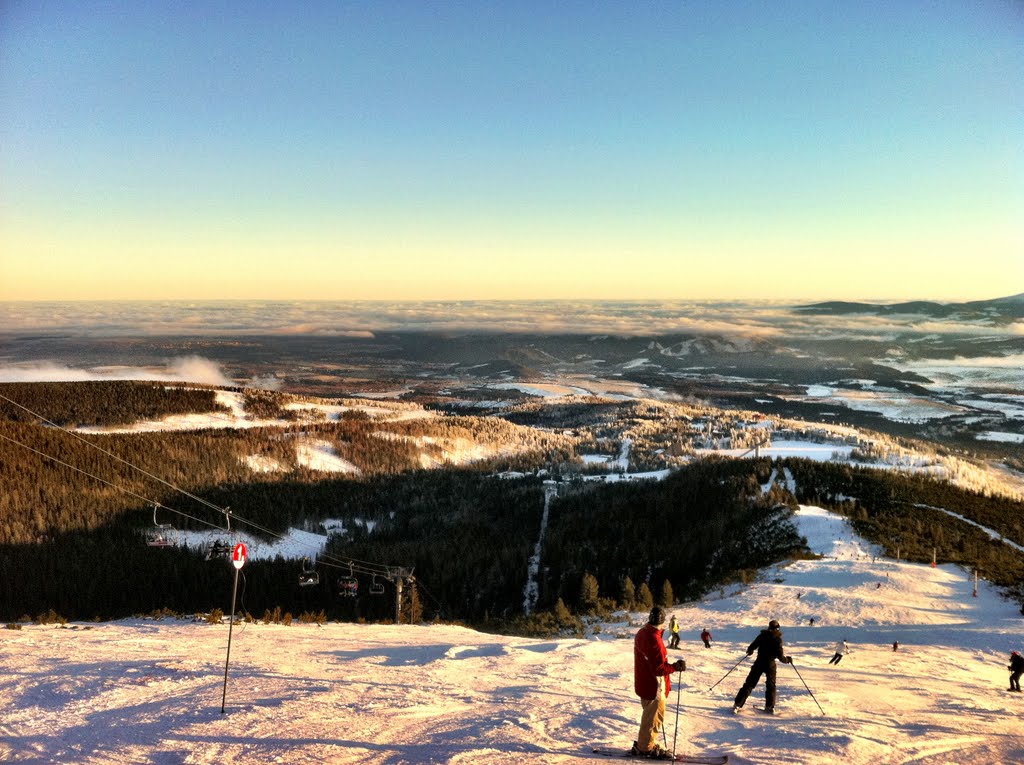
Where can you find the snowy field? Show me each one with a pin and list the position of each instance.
(894, 405)
(146, 691)
(237, 418)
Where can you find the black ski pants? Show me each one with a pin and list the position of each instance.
(836, 659)
(760, 668)
(1015, 680)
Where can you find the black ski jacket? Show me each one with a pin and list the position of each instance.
(768, 646)
(1016, 663)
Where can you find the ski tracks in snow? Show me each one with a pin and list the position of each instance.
(531, 592)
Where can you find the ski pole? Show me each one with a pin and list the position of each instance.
(679, 694)
(729, 672)
(805, 684)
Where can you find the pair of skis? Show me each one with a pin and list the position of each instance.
(697, 759)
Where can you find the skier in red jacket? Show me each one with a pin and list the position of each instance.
(651, 672)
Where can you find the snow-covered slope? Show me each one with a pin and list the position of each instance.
(150, 692)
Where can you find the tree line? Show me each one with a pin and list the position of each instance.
(898, 512)
(75, 543)
(114, 402)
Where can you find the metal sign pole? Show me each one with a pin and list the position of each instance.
(398, 600)
(237, 560)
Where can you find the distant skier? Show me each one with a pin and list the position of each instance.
(1016, 667)
(769, 647)
(651, 682)
(895, 645)
(673, 628)
(842, 648)
(706, 637)
(812, 621)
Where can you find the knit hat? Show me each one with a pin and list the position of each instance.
(657, 616)
(773, 625)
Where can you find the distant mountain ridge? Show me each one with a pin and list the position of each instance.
(997, 309)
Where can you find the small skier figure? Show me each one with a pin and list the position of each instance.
(673, 628)
(841, 650)
(1016, 668)
(706, 637)
(895, 645)
(769, 647)
(651, 682)
(812, 621)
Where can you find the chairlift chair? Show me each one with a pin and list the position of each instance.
(161, 535)
(158, 538)
(376, 588)
(348, 586)
(221, 548)
(309, 576)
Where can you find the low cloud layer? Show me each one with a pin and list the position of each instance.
(366, 319)
(190, 369)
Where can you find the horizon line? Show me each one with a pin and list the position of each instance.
(392, 301)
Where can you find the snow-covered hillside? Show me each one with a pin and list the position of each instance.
(150, 691)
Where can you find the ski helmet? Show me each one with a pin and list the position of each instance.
(657, 616)
(773, 625)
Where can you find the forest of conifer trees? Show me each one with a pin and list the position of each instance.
(75, 508)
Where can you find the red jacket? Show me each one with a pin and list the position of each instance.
(650, 661)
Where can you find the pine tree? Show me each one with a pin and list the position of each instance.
(644, 597)
(562, 613)
(666, 598)
(627, 597)
(412, 606)
(589, 593)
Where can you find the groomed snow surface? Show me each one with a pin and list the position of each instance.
(145, 691)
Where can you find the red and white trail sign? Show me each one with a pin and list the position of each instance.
(238, 556)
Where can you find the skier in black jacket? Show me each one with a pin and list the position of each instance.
(1016, 668)
(769, 647)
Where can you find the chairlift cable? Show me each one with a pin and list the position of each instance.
(188, 494)
(417, 583)
(362, 567)
(121, 489)
(370, 567)
(351, 565)
(111, 454)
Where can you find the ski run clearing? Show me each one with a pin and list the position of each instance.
(144, 691)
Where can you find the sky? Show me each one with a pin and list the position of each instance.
(516, 151)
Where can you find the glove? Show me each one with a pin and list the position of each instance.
(679, 666)
(787, 659)
(750, 653)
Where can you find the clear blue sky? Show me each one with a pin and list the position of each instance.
(462, 150)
